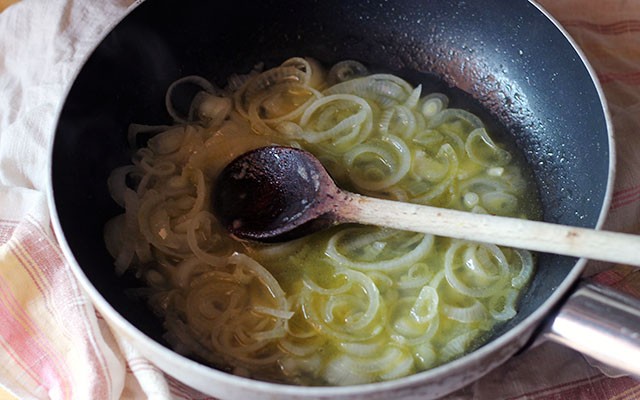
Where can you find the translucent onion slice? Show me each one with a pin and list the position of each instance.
(503, 308)
(411, 256)
(347, 315)
(301, 366)
(168, 141)
(341, 119)
(526, 269)
(365, 348)
(398, 121)
(379, 163)
(202, 194)
(414, 98)
(256, 85)
(385, 90)
(157, 167)
(500, 203)
(270, 252)
(476, 312)
(194, 80)
(483, 150)
(123, 251)
(315, 75)
(197, 235)
(432, 104)
(447, 157)
(424, 356)
(155, 225)
(346, 70)
(266, 113)
(299, 348)
(117, 183)
(408, 327)
(485, 262)
(351, 370)
(205, 310)
(458, 345)
(425, 307)
(210, 110)
(475, 277)
(136, 130)
(507, 183)
(185, 271)
(417, 276)
(263, 275)
(455, 115)
(428, 138)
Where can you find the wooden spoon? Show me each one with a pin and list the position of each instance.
(274, 194)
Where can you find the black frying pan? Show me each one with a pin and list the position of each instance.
(502, 59)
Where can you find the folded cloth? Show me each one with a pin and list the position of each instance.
(52, 342)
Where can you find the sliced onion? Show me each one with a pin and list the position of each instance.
(361, 304)
(447, 156)
(386, 162)
(409, 328)
(346, 70)
(117, 183)
(458, 345)
(342, 119)
(486, 284)
(398, 121)
(351, 370)
(508, 309)
(414, 97)
(408, 258)
(433, 103)
(476, 312)
(482, 149)
(455, 114)
(192, 79)
(526, 269)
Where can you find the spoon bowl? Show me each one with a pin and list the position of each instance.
(274, 194)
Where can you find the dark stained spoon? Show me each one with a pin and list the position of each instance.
(275, 194)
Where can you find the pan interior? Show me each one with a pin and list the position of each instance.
(491, 58)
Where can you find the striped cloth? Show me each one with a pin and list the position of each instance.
(52, 342)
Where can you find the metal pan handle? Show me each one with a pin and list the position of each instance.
(601, 323)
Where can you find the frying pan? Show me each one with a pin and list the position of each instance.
(507, 61)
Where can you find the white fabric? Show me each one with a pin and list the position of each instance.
(43, 43)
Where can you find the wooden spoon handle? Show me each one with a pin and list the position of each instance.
(512, 232)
